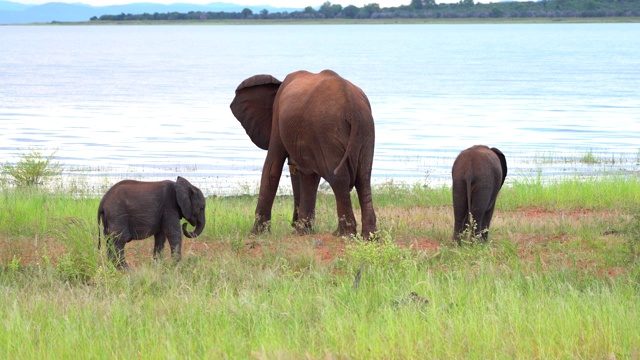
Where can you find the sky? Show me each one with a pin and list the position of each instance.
(275, 3)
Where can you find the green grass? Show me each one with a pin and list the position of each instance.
(600, 192)
(582, 158)
(551, 284)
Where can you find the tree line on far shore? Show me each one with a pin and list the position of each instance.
(416, 9)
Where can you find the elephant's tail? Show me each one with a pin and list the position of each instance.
(355, 122)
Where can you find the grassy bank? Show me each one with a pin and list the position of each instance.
(558, 280)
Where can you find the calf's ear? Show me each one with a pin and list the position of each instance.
(183, 195)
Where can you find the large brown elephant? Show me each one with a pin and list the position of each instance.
(136, 210)
(478, 174)
(323, 124)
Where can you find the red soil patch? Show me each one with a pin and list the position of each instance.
(424, 244)
(325, 248)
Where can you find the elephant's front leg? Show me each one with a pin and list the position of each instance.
(271, 173)
(158, 246)
(175, 242)
(176, 250)
(307, 207)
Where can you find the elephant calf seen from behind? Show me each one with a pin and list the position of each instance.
(136, 210)
(478, 174)
(323, 125)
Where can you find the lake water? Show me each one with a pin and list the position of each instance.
(152, 102)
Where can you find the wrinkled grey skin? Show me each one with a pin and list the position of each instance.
(323, 125)
(136, 210)
(478, 174)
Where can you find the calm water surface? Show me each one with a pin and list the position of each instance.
(151, 102)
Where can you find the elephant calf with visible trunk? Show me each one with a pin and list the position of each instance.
(323, 125)
(478, 174)
(136, 210)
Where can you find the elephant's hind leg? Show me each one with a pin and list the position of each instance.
(307, 207)
(158, 245)
(487, 222)
(346, 220)
(121, 263)
(116, 236)
(115, 250)
(460, 210)
(479, 211)
(363, 188)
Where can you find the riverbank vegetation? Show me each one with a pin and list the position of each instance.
(416, 9)
(559, 279)
(32, 169)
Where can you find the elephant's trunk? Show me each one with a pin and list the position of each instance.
(196, 232)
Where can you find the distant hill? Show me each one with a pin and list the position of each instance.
(17, 13)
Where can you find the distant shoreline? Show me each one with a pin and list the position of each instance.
(427, 21)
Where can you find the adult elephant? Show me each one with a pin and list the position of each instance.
(323, 124)
(136, 210)
(478, 174)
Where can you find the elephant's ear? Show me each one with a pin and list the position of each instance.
(183, 192)
(253, 107)
(503, 162)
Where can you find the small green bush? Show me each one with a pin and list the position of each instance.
(471, 235)
(33, 169)
(383, 252)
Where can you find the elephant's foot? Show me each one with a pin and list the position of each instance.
(369, 233)
(304, 231)
(176, 257)
(261, 226)
(116, 256)
(157, 255)
(345, 231)
(346, 227)
(122, 265)
(259, 230)
(303, 227)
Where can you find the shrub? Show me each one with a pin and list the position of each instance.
(32, 169)
(383, 252)
(471, 235)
